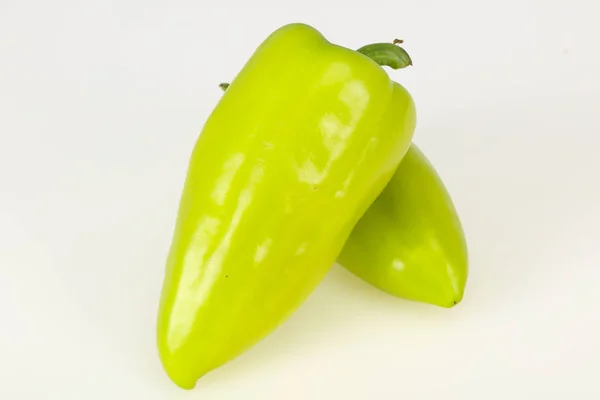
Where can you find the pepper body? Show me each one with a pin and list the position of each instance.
(410, 243)
(300, 145)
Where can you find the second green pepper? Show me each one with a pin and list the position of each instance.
(410, 242)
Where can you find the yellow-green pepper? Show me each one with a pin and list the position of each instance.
(410, 243)
(303, 141)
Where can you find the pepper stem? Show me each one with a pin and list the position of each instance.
(384, 54)
(387, 54)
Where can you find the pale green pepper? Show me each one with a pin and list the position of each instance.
(303, 141)
(410, 243)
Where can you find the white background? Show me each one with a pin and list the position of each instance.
(101, 103)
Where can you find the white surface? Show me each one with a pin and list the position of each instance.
(101, 102)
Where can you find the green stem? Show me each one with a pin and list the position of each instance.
(387, 54)
(384, 54)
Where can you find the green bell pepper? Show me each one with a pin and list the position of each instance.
(300, 145)
(410, 242)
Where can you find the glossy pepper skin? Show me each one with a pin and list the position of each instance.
(410, 243)
(302, 142)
